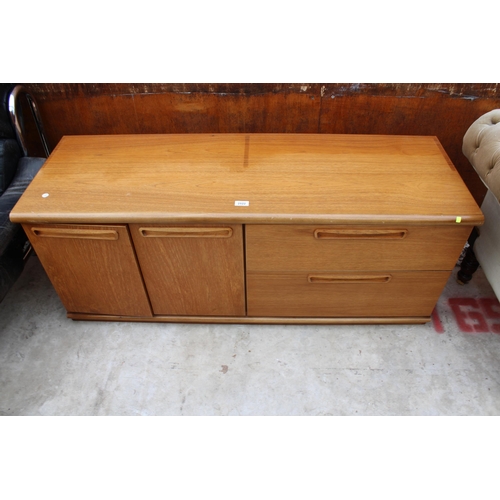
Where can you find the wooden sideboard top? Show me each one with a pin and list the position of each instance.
(285, 178)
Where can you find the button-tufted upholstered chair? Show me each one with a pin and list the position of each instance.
(481, 145)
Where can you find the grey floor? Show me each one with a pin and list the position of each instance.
(50, 365)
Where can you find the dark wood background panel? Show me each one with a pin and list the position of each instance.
(445, 110)
(226, 113)
(67, 90)
(176, 113)
(465, 90)
(462, 90)
(270, 113)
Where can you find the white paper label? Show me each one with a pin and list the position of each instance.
(241, 203)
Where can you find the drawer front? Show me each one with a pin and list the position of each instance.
(367, 294)
(351, 248)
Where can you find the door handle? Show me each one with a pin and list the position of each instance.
(348, 278)
(360, 234)
(82, 234)
(186, 232)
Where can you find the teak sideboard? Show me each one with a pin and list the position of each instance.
(248, 228)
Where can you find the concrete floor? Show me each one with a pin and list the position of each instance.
(50, 365)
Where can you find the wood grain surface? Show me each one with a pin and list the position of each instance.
(192, 275)
(299, 178)
(444, 110)
(370, 294)
(392, 210)
(254, 320)
(91, 271)
(294, 247)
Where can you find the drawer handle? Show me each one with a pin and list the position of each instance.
(186, 232)
(352, 278)
(360, 234)
(76, 234)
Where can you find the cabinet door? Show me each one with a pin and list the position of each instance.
(93, 268)
(192, 270)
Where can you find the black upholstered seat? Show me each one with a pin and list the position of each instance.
(16, 172)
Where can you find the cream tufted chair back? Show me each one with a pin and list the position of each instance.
(481, 145)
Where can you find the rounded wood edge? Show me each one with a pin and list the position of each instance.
(254, 320)
(249, 218)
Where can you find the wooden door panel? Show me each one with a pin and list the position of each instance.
(92, 267)
(192, 269)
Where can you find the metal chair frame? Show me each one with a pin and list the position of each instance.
(16, 119)
(14, 96)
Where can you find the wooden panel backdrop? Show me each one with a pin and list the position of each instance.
(443, 110)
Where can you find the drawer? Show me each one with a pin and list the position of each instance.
(352, 248)
(367, 294)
